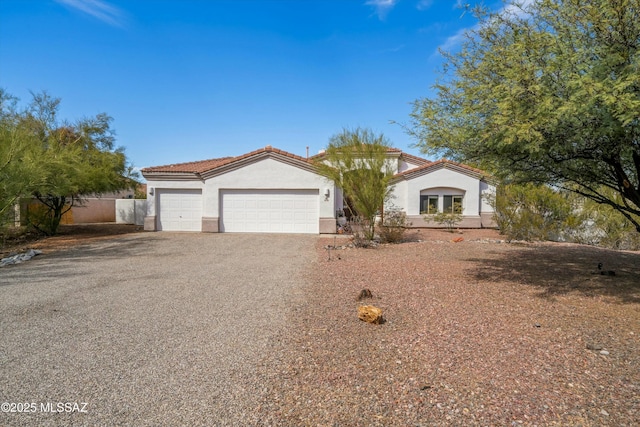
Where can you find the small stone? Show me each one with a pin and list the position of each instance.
(592, 346)
(537, 325)
(604, 352)
(605, 413)
(365, 293)
(370, 314)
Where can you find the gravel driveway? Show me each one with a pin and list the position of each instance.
(146, 329)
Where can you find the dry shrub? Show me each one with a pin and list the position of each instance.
(394, 226)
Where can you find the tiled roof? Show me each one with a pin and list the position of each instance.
(438, 164)
(203, 166)
(415, 159)
(193, 167)
(270, 149)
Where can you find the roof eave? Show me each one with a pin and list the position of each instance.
(171, 176)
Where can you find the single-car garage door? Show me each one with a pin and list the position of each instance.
(269, 211)
(180, 210)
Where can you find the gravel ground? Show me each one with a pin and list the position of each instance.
(177, 329)
(146, 329)
(478, 333)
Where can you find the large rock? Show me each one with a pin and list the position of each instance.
(370, 314)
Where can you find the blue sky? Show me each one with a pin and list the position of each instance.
(191, 80)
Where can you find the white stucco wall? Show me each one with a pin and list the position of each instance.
(404, 165)
(268, 174)
(486, 189)
(155, 185)
(441, 182)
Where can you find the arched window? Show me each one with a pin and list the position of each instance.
(441, 199)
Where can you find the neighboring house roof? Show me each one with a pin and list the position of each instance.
(439, 164)
(206, 168)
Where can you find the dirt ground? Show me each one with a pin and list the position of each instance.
(68, 235)
(478, 332)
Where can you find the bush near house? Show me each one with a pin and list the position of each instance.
(393, 226)
(448, 220)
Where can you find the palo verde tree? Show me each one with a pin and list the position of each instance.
(545, 91)
(64, 162)
(357, 162)
(18, 163)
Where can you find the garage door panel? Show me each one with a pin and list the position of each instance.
(269, 211)
(179, 210)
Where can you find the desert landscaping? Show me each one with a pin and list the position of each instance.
(476, 331)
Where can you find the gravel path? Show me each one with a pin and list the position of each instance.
(147, 329)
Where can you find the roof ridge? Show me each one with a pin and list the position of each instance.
(202, 166)
(421, 159)
(442, 161)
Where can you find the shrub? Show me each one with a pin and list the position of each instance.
(362, 232)
(449, 220)
(394, 225)
(601, 225)
(533, 212)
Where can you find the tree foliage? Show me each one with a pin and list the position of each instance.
(599, 224)
(59, 163)
(18, 164)
(546, 91)
(534, 212)
(357, 162)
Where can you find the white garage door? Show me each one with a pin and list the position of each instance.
(269, 211)
(180, 210)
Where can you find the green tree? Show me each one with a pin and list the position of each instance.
(545, 92)
(62, 162)
(600, 225)
(534, 212)
(357, 162)
(18, 163)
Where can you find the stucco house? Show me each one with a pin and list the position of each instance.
(273, 191)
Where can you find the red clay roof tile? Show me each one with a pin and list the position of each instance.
(203, 166)
(438, 163)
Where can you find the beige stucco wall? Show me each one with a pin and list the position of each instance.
(95, 210)
(92, 210)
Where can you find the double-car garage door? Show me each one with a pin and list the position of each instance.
(248, 211)
(269, 211)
